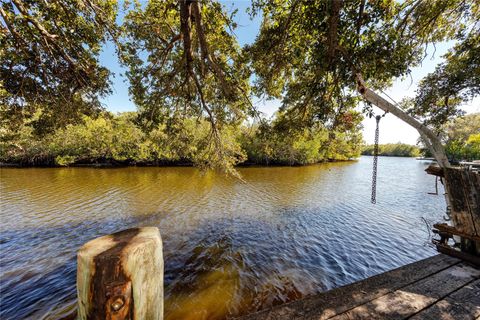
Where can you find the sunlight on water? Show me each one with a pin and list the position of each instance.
(230, 247)
(210, 296)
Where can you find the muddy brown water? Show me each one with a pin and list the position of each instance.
(230, 247)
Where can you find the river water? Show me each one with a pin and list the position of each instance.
(230, 247)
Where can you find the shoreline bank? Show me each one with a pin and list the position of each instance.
(118, 164)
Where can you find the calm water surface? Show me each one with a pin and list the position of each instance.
(230, 247)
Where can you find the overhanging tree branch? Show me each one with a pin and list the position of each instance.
(433, 143)
(204, 49)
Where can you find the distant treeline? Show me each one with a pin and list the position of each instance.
(393, 150)
(124, 139)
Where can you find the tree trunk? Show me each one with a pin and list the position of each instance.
(333, 19)
(186, 31)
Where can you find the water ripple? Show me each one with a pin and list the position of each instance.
(230, 247)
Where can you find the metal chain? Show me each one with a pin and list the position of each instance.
(375, 162)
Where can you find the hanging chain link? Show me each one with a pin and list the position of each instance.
(375, 162)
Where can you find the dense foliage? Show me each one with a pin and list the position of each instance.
(314, 55)
(455, 81)
(393, 150)
(309, 52)
(462, 141)
(193, 83)
(184, 61)
(278, 143)
(49, 60)
(120, 139)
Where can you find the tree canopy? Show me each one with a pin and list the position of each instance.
(49, 59)
(319, 45)
(455, 81)
(324, 50)
(184, 62)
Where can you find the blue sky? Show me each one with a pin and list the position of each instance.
(391, 129)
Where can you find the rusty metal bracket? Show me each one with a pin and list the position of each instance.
(119, 301)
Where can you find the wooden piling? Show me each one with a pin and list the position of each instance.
(462, 187)
(120, 276)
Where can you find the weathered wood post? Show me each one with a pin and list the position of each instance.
(120, 276)
(462, 187)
